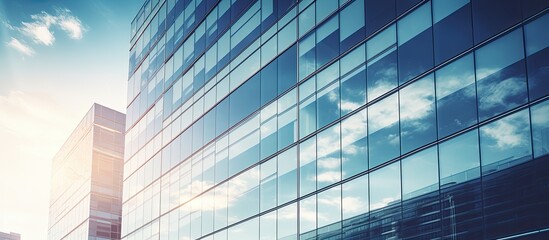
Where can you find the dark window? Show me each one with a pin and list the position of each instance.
(327, 41)
(222, 116)
(352, 25)
(269, 82)
(537, 56)
(287, 69)
(383, 131)
(379, 13)
(244, 100)
(493, 16)
(452, 28)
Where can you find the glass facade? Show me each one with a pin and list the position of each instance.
(326, 119)
(86, 190)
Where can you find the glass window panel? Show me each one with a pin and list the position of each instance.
(307, 20)
(501, 75)
(220, 204)
(268, 130)
(244, 196)
(415, 43)
(248, 230)
(378, 13)
(537, 56)
(244, 149)
(287, 36)
(540, 128)
(307, 166)
(353, 84)
(385, 186)
(307, 56)
(287, 176)
(269, 82)
(352, 24)
(268, 184)
(383, 129)
(382, 63)
(307, 217)
(324, 8)
(492, 16)
(328, 156)
(417, 114)
(505, 142)
(244, 100)
(327, 99)
(327, 40)
(420, 173)
(329, 211)
(354, 144)
(459, 159)
(287, 222)
(452, 28)
(287, 69)
(354, 201)
(456, 96)
(267, 224)
(222, 116)
(287, 118)
(307, 107)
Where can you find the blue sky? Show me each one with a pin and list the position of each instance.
(56, 59)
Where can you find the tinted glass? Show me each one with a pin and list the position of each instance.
(354, 199)
(307, 219)
(307, 55)
(287, 175)
(452, 28)
(383, 129)
(307, 107)
(537, 56)
(327, 40)
(379, 13)
(307, 166)
(287, 222)
(492, 16)
(352, 24)
(287, 69)
(354, 144)
(269, 82)
(385, 186)
(501, 75)
(456, 96)
(287, 119)
(329, 211)
(417, 114)
(327, 98)
(459, 159)
(328, 156)
(353, 81)
(415, 43)
(420, 173)
(245, 100)
(269, 136)
(540, 128)
(268, 185)
(382, 63)
(505, 142)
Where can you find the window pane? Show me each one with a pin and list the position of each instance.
(492, 16)
(420, 173)
(329, 156)
(540, 128)
(307, 20)
(329, 212)
(324, 8)
(459, 159)
(354, 202)
(267, 224)
(327, 40)
(385, 186)
(287, 176)
(352, 24)
(379, 13)
(415, 43)
(537, 56)
(417, 114)
(287, 222)
(268, 185)
(505, 142)
(307, 107)
(354, 144)
(244, 231)
(382, 63)
(501, 75)
(452, 28)
(456, 96)
(307, 217)
(268, 130)
(244, 195)
(307, 166)
(327, 99)
(269, 82)
(307, 56)
(383, 129)
(353, 81)
(244, 100)
(287, 118)
(287, 69)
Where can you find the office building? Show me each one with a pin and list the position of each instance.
(10, 236)
(86, 186)
(349, 119)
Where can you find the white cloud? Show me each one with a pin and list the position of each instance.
(19, 46)
(508, 132)
(40, 29)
